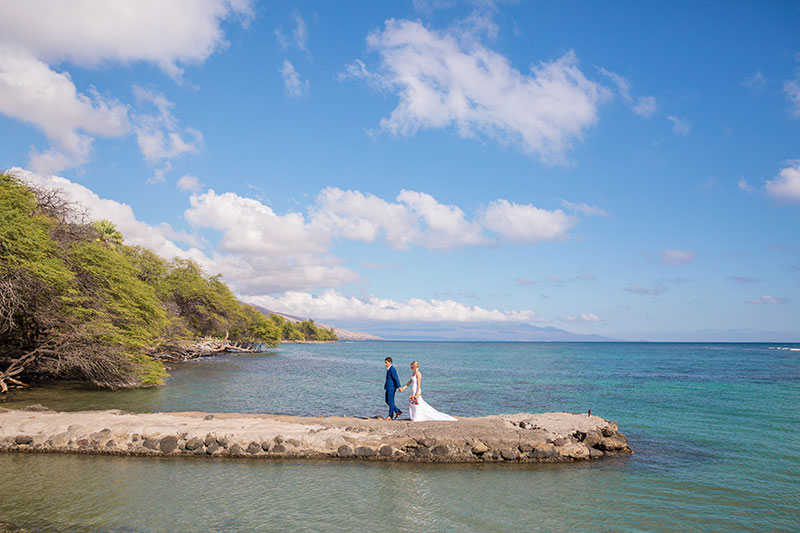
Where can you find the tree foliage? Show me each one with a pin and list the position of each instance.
(77, 303)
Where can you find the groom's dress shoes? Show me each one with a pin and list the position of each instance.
(398, 413)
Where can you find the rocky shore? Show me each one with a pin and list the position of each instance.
(518, 438)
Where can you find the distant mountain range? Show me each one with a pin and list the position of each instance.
(450, 331)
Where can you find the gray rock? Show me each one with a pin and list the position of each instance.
(427, 442)
(509, 455)
(278, 448)
(236, 450)
(544, 450)
(525, 448)
(111, 443)
(212, 448)
(36, 407)
(441, 450)
(364, 451)
(210, 437)
(168, 444)
(479, 448)
(422, 452)
(293, 442)
(195, 443)
(208, 417)
(254, 448)
(595, 453)
(345, 451)
(592, 438)
(265, 446)
(561, 442)
(151, 443)
(23, 439)
(613, 443)
(386, 451)
(223, 441)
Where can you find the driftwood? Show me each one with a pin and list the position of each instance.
(207, 347)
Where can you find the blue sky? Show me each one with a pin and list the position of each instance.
(622, 169)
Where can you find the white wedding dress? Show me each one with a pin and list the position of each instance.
(423, 411)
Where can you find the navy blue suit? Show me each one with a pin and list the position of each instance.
(391, 386)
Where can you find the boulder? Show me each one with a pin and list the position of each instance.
(427, 442)
(479, 448)
(168, 444)
(561, 442)
(592, 438)
(441, 450)
(195, 443)
(509, 455)
(544, 450)
(236, 450)
(211, 449)
(210, 437)
(254, 448)
(278, 448)
(150, 443)
(265, 446)
(594, 453)
(574, 451)
(385, 451)
(23, 439)
(345, 451)
(364, 451)
(613, 443)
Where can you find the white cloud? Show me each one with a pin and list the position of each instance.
(786, 186)
(442, 226)
(768, 300)
(31, 92)
(85, 33)
(331, 304)
(644, 291)
(744, 186)
(38, 33)
(189, 183)
(584, 318)
(159, 135)
(584, 208)
(295, 87)
(756, 81)
(449, 79)
(792, 90)
(644, 106)
(526, 223)
(677, 257)
(159, 175)
(249, 226)
(679, 125)
(299, 37)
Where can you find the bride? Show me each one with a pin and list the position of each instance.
(417, 408)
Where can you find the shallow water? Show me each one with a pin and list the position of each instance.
(713, 427)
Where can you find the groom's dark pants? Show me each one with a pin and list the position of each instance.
(390, 401)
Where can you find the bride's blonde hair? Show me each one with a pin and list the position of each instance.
(415, 364)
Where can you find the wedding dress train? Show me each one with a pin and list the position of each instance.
(423, 411)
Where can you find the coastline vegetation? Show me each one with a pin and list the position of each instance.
(76, 303)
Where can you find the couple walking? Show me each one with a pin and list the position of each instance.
(418, 410)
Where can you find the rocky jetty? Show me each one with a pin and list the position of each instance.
(519, 438)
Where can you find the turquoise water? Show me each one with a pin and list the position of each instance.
(714, 427)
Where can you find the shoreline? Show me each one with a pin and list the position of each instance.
(517, 438)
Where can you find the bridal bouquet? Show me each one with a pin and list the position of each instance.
(413, 400)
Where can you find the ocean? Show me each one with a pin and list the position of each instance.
(713, 427)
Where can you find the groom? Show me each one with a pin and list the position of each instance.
(391, 386)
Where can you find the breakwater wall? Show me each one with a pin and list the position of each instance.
(518, 438)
